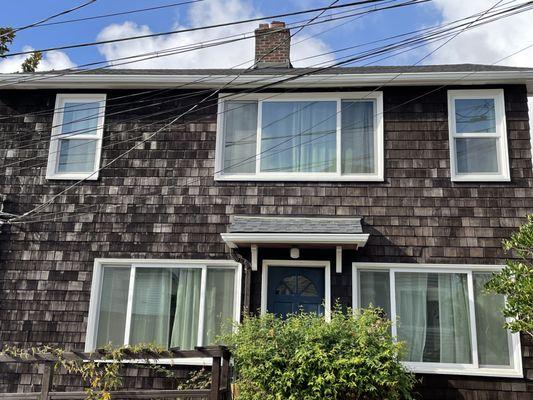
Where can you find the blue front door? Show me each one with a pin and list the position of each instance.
(291, 289)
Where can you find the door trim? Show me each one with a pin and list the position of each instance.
(297, 263)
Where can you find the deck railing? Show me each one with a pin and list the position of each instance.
(220, 385)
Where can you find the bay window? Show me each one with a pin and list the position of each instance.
(478, 137)
(447, 321)
(310, 136)
(168, 303)
(76, 138)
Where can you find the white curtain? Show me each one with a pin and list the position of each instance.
(81, 118)
(455, 346)
(219, 297)
(357, 137)
(185, 325)
(298, 136)
(240, 136)
(411, 307)
(492, 338)
(113, 306)
(151, 307)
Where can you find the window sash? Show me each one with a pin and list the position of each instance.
(474, 368)
(57, 135)
(97, 293)
(497, 95)
(376, 175)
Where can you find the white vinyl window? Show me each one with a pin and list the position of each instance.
(449, 324)
(300, 137)
(168, 303)
(478, 135)
(76, 139)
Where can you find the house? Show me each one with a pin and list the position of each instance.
(386, 185)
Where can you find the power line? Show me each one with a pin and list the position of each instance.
(193, 29)
(95, 139)
(10, 31)
(138, 10)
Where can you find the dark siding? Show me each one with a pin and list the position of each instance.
(163, 203)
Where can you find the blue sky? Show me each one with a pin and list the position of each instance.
(484, 45)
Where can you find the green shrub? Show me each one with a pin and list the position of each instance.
(304, 358)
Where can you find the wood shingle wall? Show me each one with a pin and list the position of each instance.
(162, 202)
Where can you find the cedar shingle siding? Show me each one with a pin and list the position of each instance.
(170, 207)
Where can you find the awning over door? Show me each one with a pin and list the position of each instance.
(286, 231)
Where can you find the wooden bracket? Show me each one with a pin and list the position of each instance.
(254, 257)
(338, 263)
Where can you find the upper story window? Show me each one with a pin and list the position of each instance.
(169, 303)
(448, 322)
(298, 137)
(478, 135)
(76, 140)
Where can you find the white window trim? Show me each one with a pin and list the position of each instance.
(326, 265)
(501, 134)
(302, 176)
(56, 136)
(96, 292)
(515, 371)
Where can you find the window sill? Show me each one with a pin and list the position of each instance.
(196, 361)
(63, 177)
(433, 368)
(286, 177)
(481, 178)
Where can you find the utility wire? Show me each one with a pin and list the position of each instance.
(72, 135)
(34, 24)
(225, 24)
(138, 10)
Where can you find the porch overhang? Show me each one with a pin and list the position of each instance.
(279, 231)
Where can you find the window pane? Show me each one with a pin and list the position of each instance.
(476, 155)
(299, 136)
(219, 299)
(357, 137)
(374, 288)
(240, 136)
(492, 338)
(81, 118)
(185, 309)
(434, 317)
(113, 304)
(475, 116)
(150, 319)
(76, 155)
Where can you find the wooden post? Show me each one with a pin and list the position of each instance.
(225, 381)
(215, 379)
(46, 383)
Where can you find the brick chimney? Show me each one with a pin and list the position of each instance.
(272, 46)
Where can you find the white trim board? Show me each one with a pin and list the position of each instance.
(233, 240)
(297, 263)
(112, 81)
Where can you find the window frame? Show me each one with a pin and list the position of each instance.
(57, 135)
(132, 264)
(501, 135)
(338, 97)
(474, 369)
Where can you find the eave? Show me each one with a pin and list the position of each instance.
(138, 81)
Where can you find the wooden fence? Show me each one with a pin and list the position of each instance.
(220, 384)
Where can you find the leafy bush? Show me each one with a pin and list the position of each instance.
(304, 358)
(515, 281)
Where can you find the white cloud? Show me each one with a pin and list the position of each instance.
(199, 14)
(51, 60)
(487, 44)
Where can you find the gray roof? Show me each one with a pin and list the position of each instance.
(266, 224)
(295, 71)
